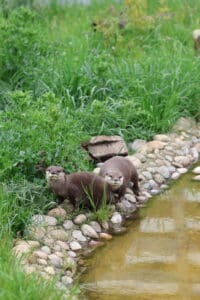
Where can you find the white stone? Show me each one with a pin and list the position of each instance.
(116, 218)
(68, 225)
(175, 175)
(46, 249)
(75, 246)
(196, 178)
(182, 170)
(163, 170)
(196, 170)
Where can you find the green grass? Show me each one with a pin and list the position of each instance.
(61, 83)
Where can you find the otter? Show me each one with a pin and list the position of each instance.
(119, 172)
(85, 188)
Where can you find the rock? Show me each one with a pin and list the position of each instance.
(72, 253)
(154, 191)
(55, 261)
(175, 175)
(50, 270)
(184, 124)
(196, 178)
(153, 145)
(80, 219)
(105, 225)
(182, 170)
(77, 234)
(116, 218)
(105, 236)
(196, 170)
(134, 160)
(63, 245)
(66, 280)
(89, 231)
(46, 250)
(137, 145)
(42, 262)
(147, 174)
(48, 241)
(58, 213)
(96, 226)
(129, 191)
(96, 171)
(96, 244)
(126, 207)
(197, 147)
(103, 147)
(29, 269)
(59, 234)
(68, 225)
(21, 249)
(130, 197)
(75, 246)
(40, 254)
(43, 220)
(36, 233)
(153, 184)
(164, 171)
(159, 178)
(184, 161)
(161, 138)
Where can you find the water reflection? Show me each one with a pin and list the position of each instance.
(159, 258)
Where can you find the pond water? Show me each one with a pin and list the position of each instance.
(159, 256)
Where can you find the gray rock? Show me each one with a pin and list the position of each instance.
(126, 207)
(68, 225)
(164, 172)
(77, 234)
(153, 184)
(75, 246)
(66, 280)
(71, 253)
(55, 260)
(50, 270)
(155, 191)
(89, 231)
(175, 175)
(147, 174)
(137, 145)
(130, 197)
(159, 178)
(96, 226)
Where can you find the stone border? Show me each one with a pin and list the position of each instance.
(55, 243)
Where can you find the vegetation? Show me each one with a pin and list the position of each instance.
(68, 73)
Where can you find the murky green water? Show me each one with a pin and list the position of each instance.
(159, 257)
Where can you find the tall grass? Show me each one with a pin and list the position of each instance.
(62, 82)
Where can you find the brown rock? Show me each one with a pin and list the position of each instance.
(103, 147)
(57, 212)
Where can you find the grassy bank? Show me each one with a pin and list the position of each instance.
(63, 80)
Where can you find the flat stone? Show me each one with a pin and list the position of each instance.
(80, 219)
(89, 231)
(75, 246)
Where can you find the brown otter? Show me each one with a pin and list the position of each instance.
(84, 188)
(118, 172)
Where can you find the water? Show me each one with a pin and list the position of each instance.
(159, 257)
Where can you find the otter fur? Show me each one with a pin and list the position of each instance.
(81, 188)
(119, 172)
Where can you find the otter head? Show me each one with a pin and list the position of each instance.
(115, 179)
(55, 173)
